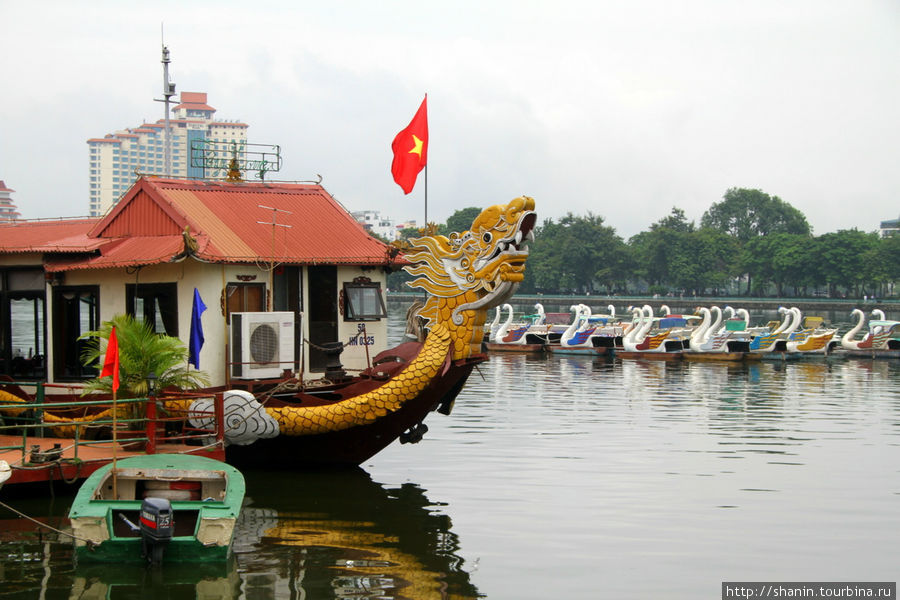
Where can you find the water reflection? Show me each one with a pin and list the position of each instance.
(343, 535)
(626, 478)
(105, 582)
(309, 535)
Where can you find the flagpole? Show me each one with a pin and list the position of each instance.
(115, 443)
(426, 195)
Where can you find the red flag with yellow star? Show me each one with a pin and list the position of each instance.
(411, 150)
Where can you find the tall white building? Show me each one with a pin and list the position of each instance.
(373, 222)
(118, 158)
(8, 210)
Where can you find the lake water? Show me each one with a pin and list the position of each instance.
(562, 477)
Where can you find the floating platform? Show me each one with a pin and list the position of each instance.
(56, 459)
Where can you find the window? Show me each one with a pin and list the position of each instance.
(363, 300)
(76, 310)
(154, 303)
(22, 324)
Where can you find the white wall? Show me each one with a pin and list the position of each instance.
(210, 281)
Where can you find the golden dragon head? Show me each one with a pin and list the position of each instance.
(473, 271)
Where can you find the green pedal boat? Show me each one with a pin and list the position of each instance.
(158, 508)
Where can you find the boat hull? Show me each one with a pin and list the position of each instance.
(495, 347)
(128, 551)
(649, 355)
(715, 356)
(580, 350)
(352, 446)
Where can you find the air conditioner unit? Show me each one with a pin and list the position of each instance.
(262, 344)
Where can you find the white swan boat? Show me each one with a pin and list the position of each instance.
(880, 340)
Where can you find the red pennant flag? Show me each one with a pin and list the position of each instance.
(111, 364)
(411, 150)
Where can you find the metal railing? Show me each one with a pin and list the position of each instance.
(144, 424)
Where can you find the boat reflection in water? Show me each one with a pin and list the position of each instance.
(195, 580)
(336, 534)
(343, 534)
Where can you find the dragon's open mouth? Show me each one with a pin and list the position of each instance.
(513, 249)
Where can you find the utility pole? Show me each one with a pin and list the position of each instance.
(168, 92)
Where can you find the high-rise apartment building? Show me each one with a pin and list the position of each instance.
(8, 210)
(117, 159)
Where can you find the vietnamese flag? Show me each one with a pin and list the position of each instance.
(111, 364)
(411, 150)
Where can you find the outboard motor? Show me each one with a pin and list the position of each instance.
(156, 528)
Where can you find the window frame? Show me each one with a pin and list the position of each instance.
(355, 304)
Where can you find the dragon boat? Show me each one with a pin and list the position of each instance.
(464, 276)
(346, 419)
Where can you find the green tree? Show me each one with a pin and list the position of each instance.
(714, 258)
(843, 256)
(747, 214)
(461, 220)
(141, 351)
(575, 254)
(780, 259)
(661, 254)
(887, 260)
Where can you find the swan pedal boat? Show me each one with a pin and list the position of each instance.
(587, 334)
(882, 339)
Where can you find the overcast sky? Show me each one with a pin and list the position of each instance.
(621, 108)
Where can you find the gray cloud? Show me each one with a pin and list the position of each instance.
(621, 109)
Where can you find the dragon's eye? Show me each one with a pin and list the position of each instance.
(486, 237)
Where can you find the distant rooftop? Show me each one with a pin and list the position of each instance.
(194, 101)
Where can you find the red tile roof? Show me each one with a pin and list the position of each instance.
(121, 252)
(68, 236)
(227, 223)
(3, 187)
(194, 101)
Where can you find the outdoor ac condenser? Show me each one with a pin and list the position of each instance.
(262, 344)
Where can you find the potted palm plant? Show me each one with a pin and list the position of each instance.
(144, 355)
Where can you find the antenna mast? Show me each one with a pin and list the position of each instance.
(168, 92)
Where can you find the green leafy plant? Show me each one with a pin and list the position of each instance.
(142, 351)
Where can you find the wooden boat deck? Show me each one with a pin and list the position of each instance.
(78, 461)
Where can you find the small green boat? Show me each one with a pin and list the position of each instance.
(158, 508)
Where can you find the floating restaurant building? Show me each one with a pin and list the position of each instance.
(283, 268)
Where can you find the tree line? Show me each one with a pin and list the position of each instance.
(749, 243)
